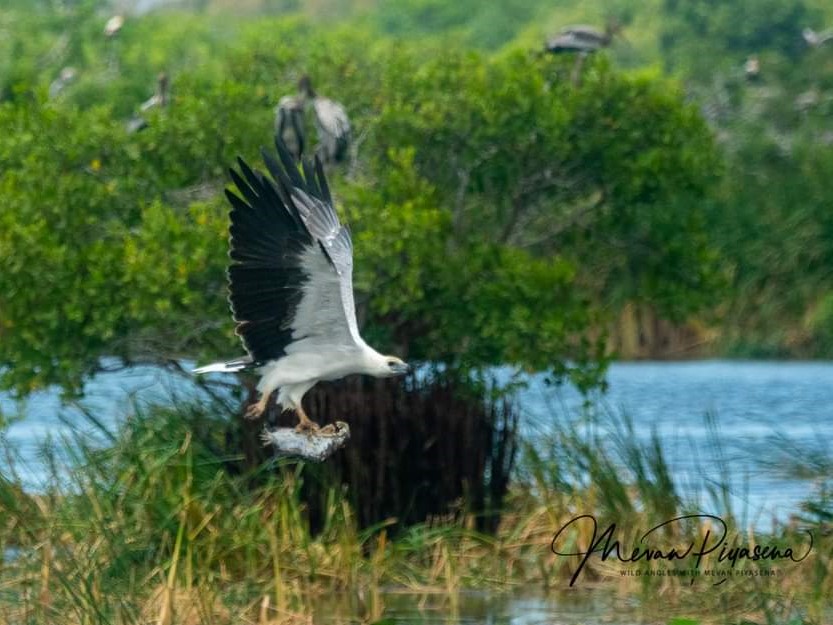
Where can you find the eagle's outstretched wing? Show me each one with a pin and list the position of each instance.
(291, 272)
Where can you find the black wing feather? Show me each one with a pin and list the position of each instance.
(322, 182)
(309, 176)
(289, 167)
(273, 222)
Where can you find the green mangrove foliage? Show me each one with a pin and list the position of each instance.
(500, 212)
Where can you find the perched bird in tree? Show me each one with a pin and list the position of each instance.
(291, 286)
(159, 99)
(111, 30)
(331, 123)
(160, 96)
(752, 68)
(66, 76)
(289, 123)
(581, 38)
(814, 39)
(113, 26)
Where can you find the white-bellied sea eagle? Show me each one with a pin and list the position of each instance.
(291, 286)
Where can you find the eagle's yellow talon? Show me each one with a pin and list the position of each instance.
(255, 411)
(328, 430)
(307, 426)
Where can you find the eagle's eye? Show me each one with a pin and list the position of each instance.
(397, 367)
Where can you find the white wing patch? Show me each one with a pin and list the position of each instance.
(326, 315)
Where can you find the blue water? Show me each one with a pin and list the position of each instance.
(766, 415)
(767, 418)
(529, 607)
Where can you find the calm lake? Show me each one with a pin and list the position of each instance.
(754, 425)
(745, 422)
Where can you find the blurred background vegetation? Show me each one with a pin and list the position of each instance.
(671, 204)
(668, 198)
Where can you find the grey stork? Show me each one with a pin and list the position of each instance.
(752, 68)
(331, 123)
(289, 123)
(66, 76)
(159, 99)
(814, 39)
(581, 38)
(113, 26)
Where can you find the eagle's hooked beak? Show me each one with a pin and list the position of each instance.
(401, 368)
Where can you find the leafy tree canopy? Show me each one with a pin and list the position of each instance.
(500, 212)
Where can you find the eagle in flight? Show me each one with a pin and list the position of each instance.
(291, 286)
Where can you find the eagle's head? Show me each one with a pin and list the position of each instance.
(393, 366)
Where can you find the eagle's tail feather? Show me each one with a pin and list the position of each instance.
(225, 367)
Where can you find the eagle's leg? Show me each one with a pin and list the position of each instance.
(304, 422)
(254, 411)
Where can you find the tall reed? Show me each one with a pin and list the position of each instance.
(149, 525)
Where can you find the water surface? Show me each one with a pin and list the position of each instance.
(574, 607)
(748, 423)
